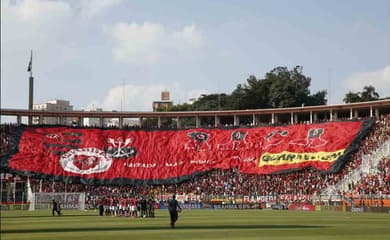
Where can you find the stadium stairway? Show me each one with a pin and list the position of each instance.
(369, 166)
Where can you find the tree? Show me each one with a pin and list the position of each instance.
(368, 94)
(279, 88)
(253, 94)
(319, 98)
(352, 97)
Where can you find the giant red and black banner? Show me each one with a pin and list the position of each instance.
(139, 156)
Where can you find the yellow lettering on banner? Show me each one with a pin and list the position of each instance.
(292, 158)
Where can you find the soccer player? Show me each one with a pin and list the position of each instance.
(56, 208)
(173, 207)
(101, 206)
(139, 207)
(151, 207)
(144, 207)
(133, 207)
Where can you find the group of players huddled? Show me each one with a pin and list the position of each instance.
(127, 206)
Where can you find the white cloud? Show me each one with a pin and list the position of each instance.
(35, 24)
(40, 25)
(32, 20)
(152, 42)
(92, 8)
(60, 34)
(47, 24)
(380, 79)
(33, 10)
(140, 97)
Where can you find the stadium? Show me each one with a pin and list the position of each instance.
(238, 185)
(195, 119)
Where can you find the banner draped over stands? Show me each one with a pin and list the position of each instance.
(139, 156)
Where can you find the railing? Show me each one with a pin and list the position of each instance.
(369, 166)
(370, 163)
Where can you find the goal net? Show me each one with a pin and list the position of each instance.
(66, 200)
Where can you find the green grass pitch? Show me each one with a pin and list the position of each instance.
(197, 224)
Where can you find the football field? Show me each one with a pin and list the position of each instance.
(197, 224)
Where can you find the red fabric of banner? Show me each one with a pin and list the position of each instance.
(159, 154)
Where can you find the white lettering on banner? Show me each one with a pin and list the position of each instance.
(173, 164)
(190, 206)
(357, 209)
(140, 165)
(202, 161)
(295, 197)
(266, 198)
(249, 160)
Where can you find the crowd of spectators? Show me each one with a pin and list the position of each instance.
(232, 183)
(7, 138)
(374, 184)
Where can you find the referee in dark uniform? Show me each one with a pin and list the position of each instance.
(56, 208)
(173, 207)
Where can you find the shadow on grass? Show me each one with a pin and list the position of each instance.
(46, 216)
(78, 215)
(133, 228)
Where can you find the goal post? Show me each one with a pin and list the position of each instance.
(66, 200)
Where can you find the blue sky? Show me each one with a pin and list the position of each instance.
(123, 53)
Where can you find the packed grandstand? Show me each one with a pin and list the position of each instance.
(364, 180)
